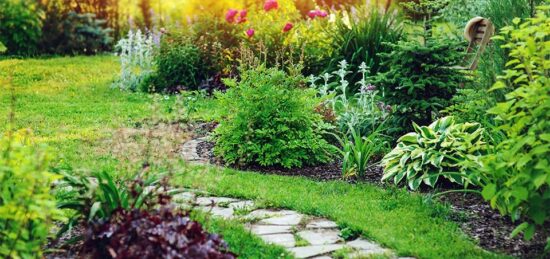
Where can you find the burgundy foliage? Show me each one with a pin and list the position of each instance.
(160, 233)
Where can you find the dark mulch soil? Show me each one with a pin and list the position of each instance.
(492, 230)
(476, 217)
(68, 246)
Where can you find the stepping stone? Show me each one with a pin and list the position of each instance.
(310, 251)
(268, 229)
(367, 247)
(322, 257)
(265, 213)
(321, 223)
(183, 197)
(321, 236)
(207, 201)
(285, 240)
(291, 219)
(218, 211)
(242, 205)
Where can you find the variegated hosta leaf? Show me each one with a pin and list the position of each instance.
(443, 146)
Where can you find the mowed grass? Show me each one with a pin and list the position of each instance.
(69, 104)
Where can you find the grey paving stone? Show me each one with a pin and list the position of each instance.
(310, 251)
(322, 257)
(321, 236)
(321, 223)
(218, 211)
(267, 213)
(183, 197)
(268, 229)
(285, 240)
(207, 201)
(363, 244)
(291, 219)
(242, 205)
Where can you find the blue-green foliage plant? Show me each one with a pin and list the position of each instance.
(269, 119)
(136, 52)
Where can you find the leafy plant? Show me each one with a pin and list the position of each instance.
(362, 111)
(136, 60)
(20, 26)
(517, 174)
(27, 207)
(358, 151)
(152, 234)
(270, 120)
(443, 149)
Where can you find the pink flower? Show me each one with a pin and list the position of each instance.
(250, 32)
(314, 13)
(230, 15)
(242, 16)
(288, 27)
(270, 4)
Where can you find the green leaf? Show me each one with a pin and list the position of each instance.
(521, 193)
(489, 191)
(519, 229)
(529, 232)
(94, 209)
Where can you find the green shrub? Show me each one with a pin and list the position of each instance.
(178, 65)
(20, 26)
(270, 120)
(27, 207)
(518, 173)
(420, 81)
(442, 149)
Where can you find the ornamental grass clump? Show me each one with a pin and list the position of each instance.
(271, 120)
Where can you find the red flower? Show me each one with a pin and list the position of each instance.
(288, 27)
(314, 13)
(270, 4)
(250, 32)
(230, 15)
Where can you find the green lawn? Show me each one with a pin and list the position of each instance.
(69, 104)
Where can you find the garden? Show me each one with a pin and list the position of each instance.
(274, 129)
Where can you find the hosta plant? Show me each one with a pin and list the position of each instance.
(443, 149)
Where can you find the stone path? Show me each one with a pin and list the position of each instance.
(303, 235)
